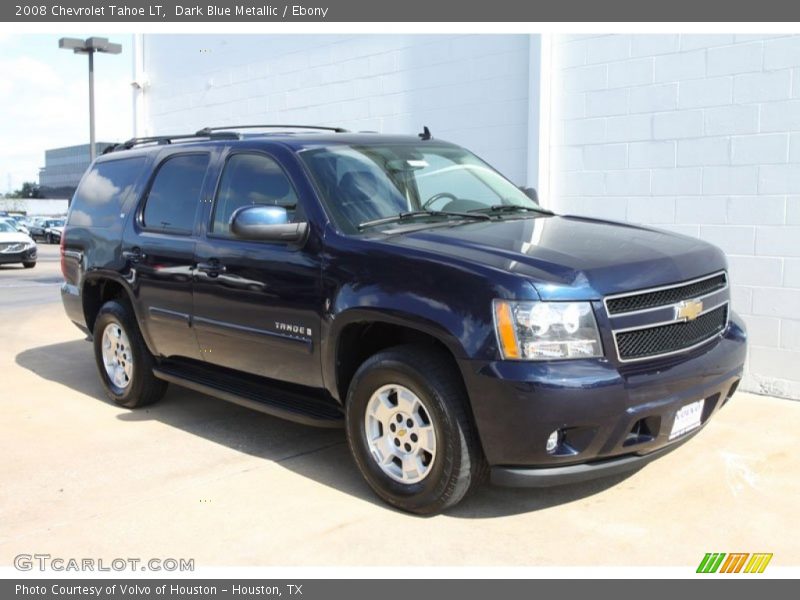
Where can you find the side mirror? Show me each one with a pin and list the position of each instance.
(266, 224)
(530, 193)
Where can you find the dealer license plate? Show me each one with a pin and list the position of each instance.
(687, 418)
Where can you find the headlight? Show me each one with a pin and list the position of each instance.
(546, 330)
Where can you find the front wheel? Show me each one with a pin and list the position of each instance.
(123, 360)
(410, 430)
(29, 264)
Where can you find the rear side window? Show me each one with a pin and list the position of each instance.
(172, 201)
(102, 192)
(247, 180)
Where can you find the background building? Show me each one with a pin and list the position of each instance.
(699, 134)
(64, 167)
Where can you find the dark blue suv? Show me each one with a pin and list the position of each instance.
(404, 289)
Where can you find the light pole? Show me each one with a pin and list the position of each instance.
(89, 46)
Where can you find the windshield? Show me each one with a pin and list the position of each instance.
(5, 227)
(56, 223)
(360, 184)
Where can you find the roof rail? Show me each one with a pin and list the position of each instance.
(213, 133)
(208, 130)
(168, 139)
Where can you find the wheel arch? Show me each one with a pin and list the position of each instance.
(357, 334)
(99, 288)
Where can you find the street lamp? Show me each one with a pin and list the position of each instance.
(90, 46)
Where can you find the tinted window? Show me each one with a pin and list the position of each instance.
(173, 198)
(247, 180)
(359, 184)
(445, 175)
(99, 198)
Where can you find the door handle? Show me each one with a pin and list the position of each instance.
(134, 254)
(213, 267)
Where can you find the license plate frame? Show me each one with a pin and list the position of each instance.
(687, 418)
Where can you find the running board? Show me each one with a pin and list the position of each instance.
(285, 404)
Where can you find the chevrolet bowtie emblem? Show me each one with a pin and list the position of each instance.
(688, 310)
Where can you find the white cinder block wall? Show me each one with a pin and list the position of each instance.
(699, 134)
(471, 90)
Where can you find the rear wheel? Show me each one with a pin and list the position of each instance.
(410, 430)
(123, 360)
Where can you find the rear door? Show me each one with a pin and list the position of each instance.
(160, 247)
(257, 304)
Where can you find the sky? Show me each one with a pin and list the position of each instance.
(44, 100)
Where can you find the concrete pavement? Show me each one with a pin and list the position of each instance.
(21, 287)
(195, 477)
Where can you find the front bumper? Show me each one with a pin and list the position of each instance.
(614, 418)
(28, 255)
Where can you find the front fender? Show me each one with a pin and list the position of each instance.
(464, 335)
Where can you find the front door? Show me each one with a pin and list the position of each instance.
(257, 304)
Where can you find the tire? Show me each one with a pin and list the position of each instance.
(29, 264)
(136, 385)
(51, 239)
(456, 464)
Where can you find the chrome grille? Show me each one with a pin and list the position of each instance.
(666, 339)
(669, 295)
(655, 322)
(12, 247)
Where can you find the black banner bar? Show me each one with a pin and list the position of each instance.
(400, 589)
(399, 11)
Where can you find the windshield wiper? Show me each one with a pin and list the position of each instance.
(403, 216)
(504, 208)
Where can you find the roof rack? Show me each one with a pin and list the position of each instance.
(208, 130)
(168, 139)
(213, 133)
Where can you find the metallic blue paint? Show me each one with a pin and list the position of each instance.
(438, 280)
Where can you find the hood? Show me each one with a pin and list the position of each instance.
(14, 237)
(573, 257)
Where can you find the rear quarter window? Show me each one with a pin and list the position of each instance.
(99, 199)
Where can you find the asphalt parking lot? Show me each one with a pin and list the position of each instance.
(195, 477)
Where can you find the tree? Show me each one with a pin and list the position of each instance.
(29, 189)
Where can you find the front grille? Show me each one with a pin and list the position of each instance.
(673, 337)
(12, 247)
(670, 295)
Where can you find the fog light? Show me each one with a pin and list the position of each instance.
(552, 441)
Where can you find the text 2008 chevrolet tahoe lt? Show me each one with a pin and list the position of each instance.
(401, 287)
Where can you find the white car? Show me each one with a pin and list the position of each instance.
(16, 247)
(18, 225)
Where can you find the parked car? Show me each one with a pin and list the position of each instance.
(53, 231)
(15, 246)
(47, 229)
(20, 219)
(16, 224)
(402, 288)
(36, 227)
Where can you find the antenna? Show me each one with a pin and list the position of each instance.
(426, 134)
